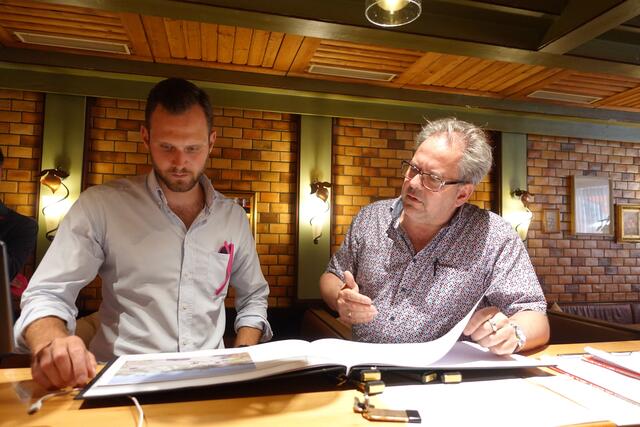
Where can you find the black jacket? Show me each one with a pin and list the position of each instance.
(19, 233)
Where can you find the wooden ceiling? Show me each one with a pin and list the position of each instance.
(207, 44)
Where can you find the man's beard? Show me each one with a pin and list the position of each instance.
(181, 186)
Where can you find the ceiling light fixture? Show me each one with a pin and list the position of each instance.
(392, 13)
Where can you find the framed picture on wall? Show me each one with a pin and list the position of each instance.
(550, 220)
(628, 223)
(591, 205)
(246, 199)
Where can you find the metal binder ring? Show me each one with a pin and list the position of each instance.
(492, 323)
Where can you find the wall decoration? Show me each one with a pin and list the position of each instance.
(627, 223)
(246, 199)
(551, 220)
(591, 205)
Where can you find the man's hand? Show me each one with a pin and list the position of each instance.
(247, 336)
(58, 360)
(352, 306)
(64, 362)
(491, 329)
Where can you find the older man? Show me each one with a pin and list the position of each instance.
(410, 268)
(166, 245)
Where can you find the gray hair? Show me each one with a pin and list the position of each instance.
(476, 154)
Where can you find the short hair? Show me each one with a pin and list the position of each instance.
(176, 96)
(476, 158)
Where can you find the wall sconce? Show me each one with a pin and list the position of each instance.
(392, 13)
(522, 219)
(54, 206)
(319, 206)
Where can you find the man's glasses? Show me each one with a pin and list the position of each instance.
(429, 181)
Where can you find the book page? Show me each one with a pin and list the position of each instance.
(418, 355)
(165, 371)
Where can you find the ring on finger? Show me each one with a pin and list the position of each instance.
(349, 315)
(493, 325)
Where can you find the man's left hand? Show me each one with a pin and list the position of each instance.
(247, 336)
(490, 328)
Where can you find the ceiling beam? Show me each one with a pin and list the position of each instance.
(582, 21)
(57, 65)
(91, 83)
(352, 33)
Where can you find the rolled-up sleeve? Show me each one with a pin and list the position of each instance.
(251, 288)
(72, 260)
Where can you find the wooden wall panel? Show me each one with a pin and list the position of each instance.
(199, 44)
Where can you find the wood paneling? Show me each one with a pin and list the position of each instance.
(191, 43)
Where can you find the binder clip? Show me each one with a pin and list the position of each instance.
(370, 375)
(371, 388)
(371, 413)
(453, 377)
(368, 388)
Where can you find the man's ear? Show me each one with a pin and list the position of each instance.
(145, 134)
(212, 140)
(464, 192)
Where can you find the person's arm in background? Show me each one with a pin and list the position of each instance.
(20, 240)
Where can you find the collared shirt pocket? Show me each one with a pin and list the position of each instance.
(219, 274)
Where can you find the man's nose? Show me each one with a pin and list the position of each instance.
(178, 158)
(416, 181)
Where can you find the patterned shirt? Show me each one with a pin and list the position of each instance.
(421, 296)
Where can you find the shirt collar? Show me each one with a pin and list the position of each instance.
(158, 195)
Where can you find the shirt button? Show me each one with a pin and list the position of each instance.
(414, 260)
(184, 307)
(392, 318)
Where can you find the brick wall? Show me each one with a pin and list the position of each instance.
(21, 119)
(581, 268)
(367, 168)
(255, 151)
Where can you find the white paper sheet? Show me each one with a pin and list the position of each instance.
(496, 403)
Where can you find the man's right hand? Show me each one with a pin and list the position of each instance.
(58, 359)
(352, 306)
(62, 363)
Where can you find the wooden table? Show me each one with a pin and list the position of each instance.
(333, 408)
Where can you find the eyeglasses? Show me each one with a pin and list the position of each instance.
(429, 181)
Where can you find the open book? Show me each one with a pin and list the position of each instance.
(140, 373)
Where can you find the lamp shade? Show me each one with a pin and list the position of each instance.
(52, 178)
(392, 13)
